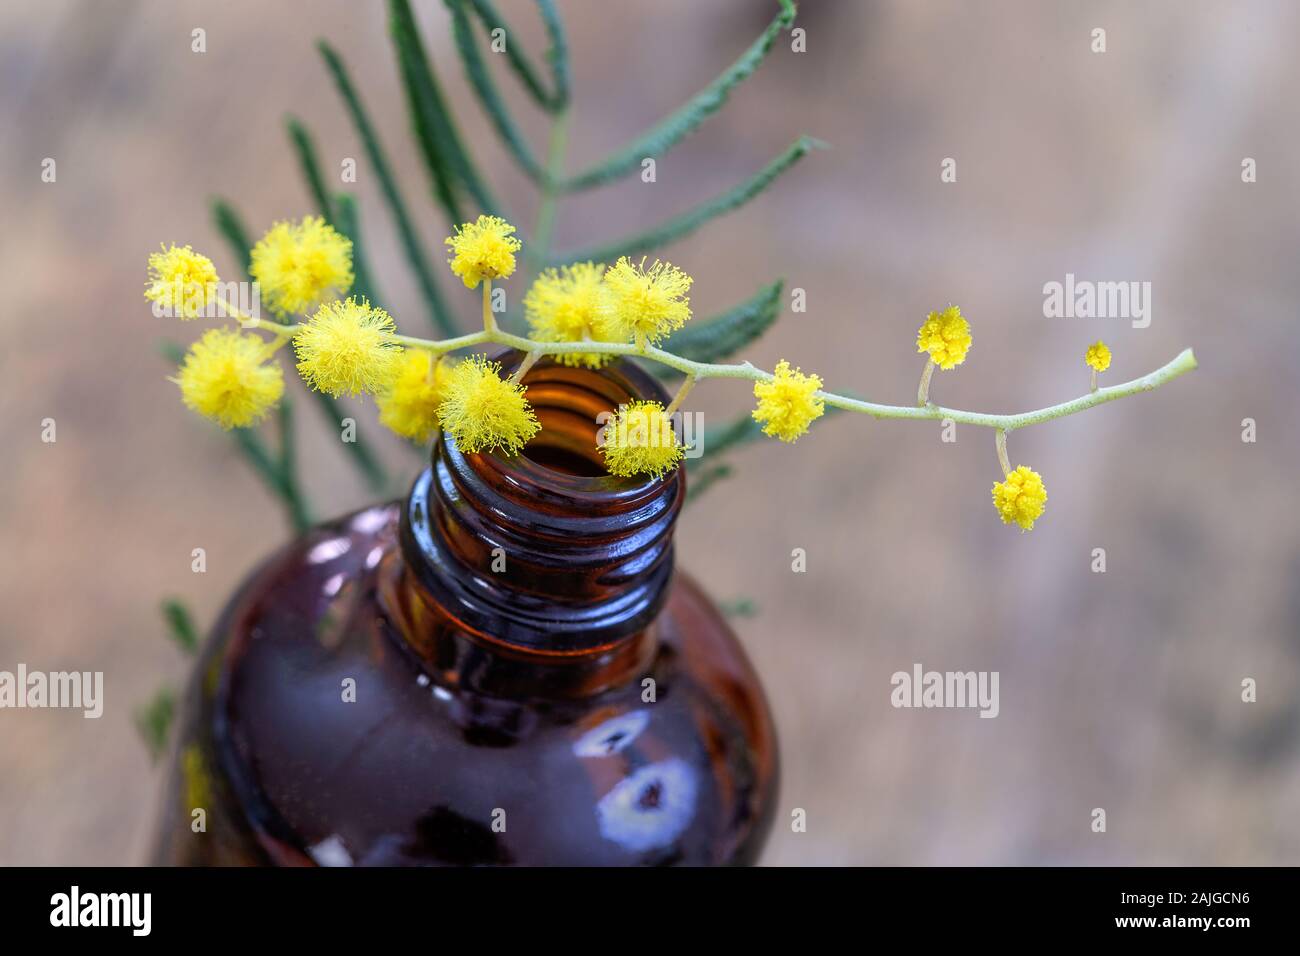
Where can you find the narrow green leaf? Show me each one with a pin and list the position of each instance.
(347, 221)
(674, 128)
(683, 225)
(739, 607)
(519, 62)
(288, 460)
(721, 439)
(703, 479)
(261, 460)
(154, 722)
(484, 87)
(717, 338)
(439, 314)
(180, 626)
(305, 149)
(341, 212)
(557, 56)
(257, 454)
(231, 225)
(445, 156)
(372, 470)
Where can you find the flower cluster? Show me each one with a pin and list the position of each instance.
(483, 412)
(1097, 357)
(299, 265)
(789, 403)
(483, 250)
(583, 314)
(181, 282)
(1020, 498)
(945, 335)
(641, 440)
(226, 377)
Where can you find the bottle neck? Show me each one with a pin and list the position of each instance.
(541, 559)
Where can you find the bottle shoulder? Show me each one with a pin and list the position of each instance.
(341, 747)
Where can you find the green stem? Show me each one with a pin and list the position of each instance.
(539, 250)
(1183, 363)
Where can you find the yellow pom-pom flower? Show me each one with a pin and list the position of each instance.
(409, 404)
(484, 412)
(226, 377)
(1098, 356)
(565, 305)
(298, 265)
(640, 440)
(484, 249)
(347, 348)
(788, 404)
(644, 305)
(1020, 499)
(181, 282)
(946, 336)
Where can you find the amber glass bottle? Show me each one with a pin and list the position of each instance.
(503, 669)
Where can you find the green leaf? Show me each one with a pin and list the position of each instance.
(439, 314)
(154, 722)
(281, 484)
(557, 55)
(479, 77)
(705, 478)
(683, 225)
(332, 410)
(341, 213)
(739, 607)
(712, 340)
(231, 225)
(721, 439)
(261, 460)
(180, 626)
(347, 221)
(305, 149)
(445, 157)
(676, 127)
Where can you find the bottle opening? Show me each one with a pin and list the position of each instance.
(545, 549)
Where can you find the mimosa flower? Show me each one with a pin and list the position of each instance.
(409, 404)
(484, 249)
(787, 405)
(946, 336)
(1098, 356)
(226, 377)
(483, 411)
(644, 305)
(299, 265)
(347, 347)
(565, 305)
(1020, 499)
(640, 440)
(181, 281)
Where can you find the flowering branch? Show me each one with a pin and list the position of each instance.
(1184, 362)
(585, 314)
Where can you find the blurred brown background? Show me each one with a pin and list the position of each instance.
(1118, 690)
